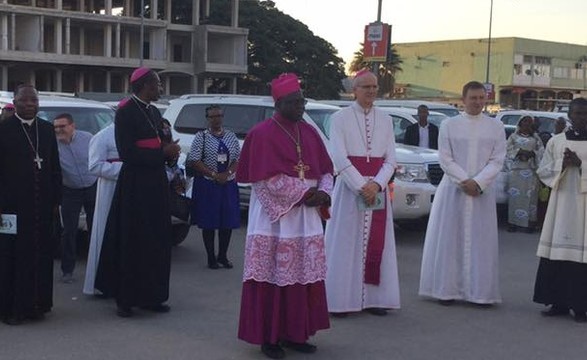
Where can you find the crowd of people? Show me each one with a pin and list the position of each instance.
(296, 272)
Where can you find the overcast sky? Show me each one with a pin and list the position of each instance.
(341, 22)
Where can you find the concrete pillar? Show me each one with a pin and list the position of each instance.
(12, 32)
(108, 41)
(41, 46)
(68, 36)
(127, 8)
(82, 5)
(108, 81)
(33, 3)
(196, 12)
(58, 36)
(167, 85)
(4, 84)
(234, 15)
(58, 80)
(108, 7)
(233, 84)
(117, 41)
(154, 7)
(48, 84)
(207, 8)
(125, 85)
(126, 44)
(33, 78)
(80, 82)
(195, 84)
(4, 31)
(59, 4)
(91, 6)
(82, 41)
(168, 10)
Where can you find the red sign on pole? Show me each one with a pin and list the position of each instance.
(376, 42)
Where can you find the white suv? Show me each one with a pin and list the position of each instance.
(415, 180)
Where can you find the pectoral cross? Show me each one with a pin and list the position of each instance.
(38, 161)
(301, 168)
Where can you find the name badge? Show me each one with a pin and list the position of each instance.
(222, 158)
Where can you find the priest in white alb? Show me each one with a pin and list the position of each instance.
(360, 245)
(561, 281)
(104, 163)
(460, 259)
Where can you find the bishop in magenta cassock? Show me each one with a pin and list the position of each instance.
(285, 160)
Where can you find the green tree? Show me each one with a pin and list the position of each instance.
(278, 43)
(386, 71)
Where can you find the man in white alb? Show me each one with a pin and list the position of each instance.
(360, 243)
(460, 259)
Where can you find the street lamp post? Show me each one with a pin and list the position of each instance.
(489, 44)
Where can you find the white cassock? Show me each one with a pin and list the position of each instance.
(460, 259)
(564, 236)
(347, 232)
(104, 163)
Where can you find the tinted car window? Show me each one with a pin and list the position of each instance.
(434, 119)
(237, 118)
(399, 127)
(510, 119)
(87, 119)
(447, 112)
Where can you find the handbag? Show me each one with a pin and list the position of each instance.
(179, 205)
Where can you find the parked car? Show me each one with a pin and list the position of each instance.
(445, 109)
(416, 179)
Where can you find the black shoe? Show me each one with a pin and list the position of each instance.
(580, 316)
(448, 302)
(225, 263)
(305, 348)
(124, 312)
(273, 351)
(213, 266)
(555, 311)
(376, 311)
(159, 308)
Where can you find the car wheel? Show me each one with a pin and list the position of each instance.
(179, 233)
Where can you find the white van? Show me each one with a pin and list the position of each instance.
(415, 181)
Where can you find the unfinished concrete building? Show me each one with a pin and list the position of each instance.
(93, 45)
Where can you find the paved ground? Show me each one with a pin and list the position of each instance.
(205, 306)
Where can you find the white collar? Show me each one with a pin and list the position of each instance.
(139, 99)
(25, 121)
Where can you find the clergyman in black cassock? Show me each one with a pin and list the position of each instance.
(135, 261)
(30, 187)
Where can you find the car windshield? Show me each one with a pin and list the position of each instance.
(87, 119)
(446, 111)
(435, 119)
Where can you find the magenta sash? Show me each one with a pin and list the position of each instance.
(151, 143)
(377, 231)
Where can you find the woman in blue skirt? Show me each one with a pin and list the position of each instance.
(214, 157)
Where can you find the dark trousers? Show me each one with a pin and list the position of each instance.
(72, 201)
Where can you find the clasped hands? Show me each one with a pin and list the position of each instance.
(570, 158)
(369, 192)
(171, 150)
(314, 197)
(525, 155)
(470, 187)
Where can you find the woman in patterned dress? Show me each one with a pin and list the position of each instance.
(524, 151)
(214, 156)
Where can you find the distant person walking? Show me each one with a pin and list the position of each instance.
(423, 133)
(524, 152)
(79, 188)
(460, 259)
(561, 281)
